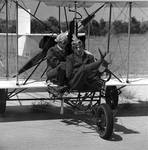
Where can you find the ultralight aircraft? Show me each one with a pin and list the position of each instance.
(88, 101)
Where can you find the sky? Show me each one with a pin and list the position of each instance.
(45, 12)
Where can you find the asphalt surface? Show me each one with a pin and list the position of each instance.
(23, 129)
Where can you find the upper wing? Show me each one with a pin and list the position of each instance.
(89, 3)
(86, 3)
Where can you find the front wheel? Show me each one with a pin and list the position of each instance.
(104, 121)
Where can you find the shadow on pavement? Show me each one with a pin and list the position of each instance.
(133, 109)
(24, 113)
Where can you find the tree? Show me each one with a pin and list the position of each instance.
(124, 27)
(12, 28)
(53, 23)
(95, 27)
(36, 26)
(103, 29)
(144, 27)
(117, 26)
(135, 25)
(63, 26)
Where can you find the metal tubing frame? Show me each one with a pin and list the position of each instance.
(75, 19)
(59, 18)
(129, 32)
(110, 14)
(7, 61)
(37, 8)
(17, 82)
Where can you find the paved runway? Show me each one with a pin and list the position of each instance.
(22, 129)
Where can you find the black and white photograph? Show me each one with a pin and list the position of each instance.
(73, 74)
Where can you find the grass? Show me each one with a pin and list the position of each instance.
(128, 94)
(138, 63)
(40, 107)
(130, 103)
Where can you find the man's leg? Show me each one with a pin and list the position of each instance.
(101, 65)
(93, 66)
(52, 74)
(62, 76)
(61, 86)
(78, 82)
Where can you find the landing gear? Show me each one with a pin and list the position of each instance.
(111, 96)
(3, 98)
(104, 121)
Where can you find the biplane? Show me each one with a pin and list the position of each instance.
(84, 101)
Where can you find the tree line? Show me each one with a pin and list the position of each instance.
(100, 28)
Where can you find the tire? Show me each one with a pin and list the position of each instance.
(111, 96)
(3, 98)
(104, 121)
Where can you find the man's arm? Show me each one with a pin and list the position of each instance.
(52, 59)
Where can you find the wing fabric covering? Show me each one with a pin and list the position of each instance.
(89, 3)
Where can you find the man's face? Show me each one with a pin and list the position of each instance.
(63, 44)
(78, 48)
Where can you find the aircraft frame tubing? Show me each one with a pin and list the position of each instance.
(12, 94)
(99, 112)
(92, 98)
(29, 99)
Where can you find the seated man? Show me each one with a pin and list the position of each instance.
(79, 64)
(56, 60)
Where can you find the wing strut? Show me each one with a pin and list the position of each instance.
(110, 14)
(7, 61)
(59, 18)
(17, 42)
(37, 8)
(129, 31)
(66, 17)
(75, 20)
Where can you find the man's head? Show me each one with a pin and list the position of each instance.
(62, 40)
(77, 46)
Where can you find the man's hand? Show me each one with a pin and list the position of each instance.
(62, 65)
(54, 61)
